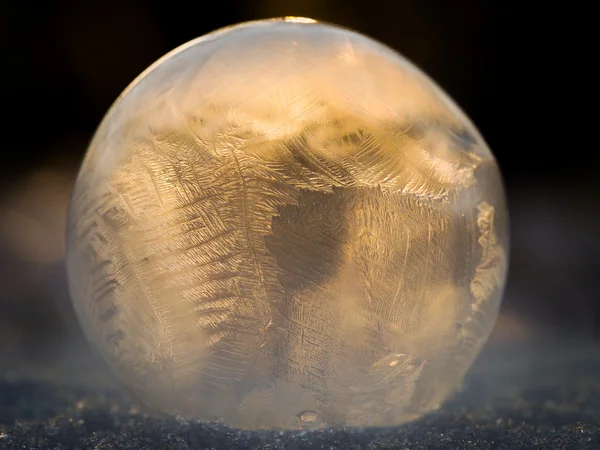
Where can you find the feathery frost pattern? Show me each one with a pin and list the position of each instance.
(287, 254)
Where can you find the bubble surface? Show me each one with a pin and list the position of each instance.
(286, 224)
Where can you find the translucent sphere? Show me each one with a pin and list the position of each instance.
(286, 224)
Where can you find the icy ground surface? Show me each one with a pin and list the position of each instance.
(535, 394)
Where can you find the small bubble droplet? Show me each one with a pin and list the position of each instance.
(308, 416)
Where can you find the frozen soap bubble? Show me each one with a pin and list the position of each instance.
(286, 224)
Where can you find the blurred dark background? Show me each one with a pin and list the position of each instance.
(64, 63)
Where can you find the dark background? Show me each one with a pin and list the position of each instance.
(64, 63)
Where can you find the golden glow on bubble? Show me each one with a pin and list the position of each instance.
(295, 19)
(285, 224)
